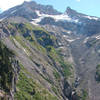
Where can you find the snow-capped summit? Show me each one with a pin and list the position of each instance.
(46, 15)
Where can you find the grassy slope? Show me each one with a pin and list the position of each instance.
(46, 44)
(6, 68)
(28, 89)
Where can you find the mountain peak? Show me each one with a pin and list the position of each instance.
(74, 14)
(70, 11)
(29, 3)
(68, 8)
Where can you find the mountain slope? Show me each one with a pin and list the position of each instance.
(39, 54)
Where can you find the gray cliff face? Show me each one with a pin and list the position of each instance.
(16, 69)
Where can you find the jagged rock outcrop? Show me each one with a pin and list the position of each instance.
(9, 69)
(16, 70)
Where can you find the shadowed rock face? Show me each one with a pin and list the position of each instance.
(67, 90)
(9, 70)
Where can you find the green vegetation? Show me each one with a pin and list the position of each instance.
(28, 37)
(28, 89)
(55, 90)
(98, 73)
(55, 56)
(10, 26)
(42, 41)
(56, 74)
(39, 28)
(52, 53)
(36, 36)
(19, 39)
(26, 30)
(47, 79)
(28, 26)
(21, 43)
(66, 68)
(6, 69)
(39, 47)
(44, 38)
(84, 95)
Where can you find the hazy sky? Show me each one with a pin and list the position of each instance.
(5, 4)
(90, 7)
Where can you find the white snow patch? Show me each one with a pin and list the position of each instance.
(65, 36)
(2, 19)
(76, 20)
(71, 40)
(2, 93)
(69, 32)
(59, 44)
(68, 39)
(13, 11)
(90, 17)
(61, 47)
(56, 17)
(98, 51)
(38, 13)
(98, 37)
(34, 22)
(85, 40)
(61, 17)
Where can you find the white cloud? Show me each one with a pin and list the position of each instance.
(6, 4)
(78, 0)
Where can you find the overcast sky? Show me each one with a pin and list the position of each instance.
(89, 7)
